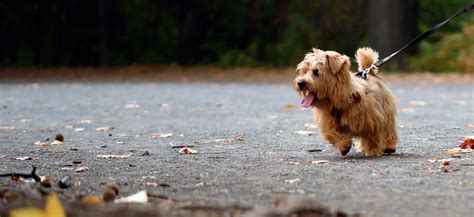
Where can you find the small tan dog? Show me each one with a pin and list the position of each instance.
(346, 106)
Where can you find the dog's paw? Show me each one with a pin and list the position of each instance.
(345, 151)
(389, 151)
(373, 153)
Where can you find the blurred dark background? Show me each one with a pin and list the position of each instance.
(228, 33)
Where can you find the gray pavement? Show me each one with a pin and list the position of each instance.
(272, 160)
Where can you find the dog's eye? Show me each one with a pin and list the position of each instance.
(316, 72)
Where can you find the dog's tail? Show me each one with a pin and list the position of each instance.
(365, 58)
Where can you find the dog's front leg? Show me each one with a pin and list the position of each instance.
(342, 142)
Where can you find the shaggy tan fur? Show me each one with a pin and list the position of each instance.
(347, 107)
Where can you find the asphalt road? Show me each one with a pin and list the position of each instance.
(272, 159)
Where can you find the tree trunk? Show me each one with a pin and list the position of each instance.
(392, 24)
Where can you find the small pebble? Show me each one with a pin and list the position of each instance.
(59, 137)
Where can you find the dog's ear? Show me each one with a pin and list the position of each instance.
(336, 62)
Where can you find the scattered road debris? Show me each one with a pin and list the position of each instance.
(305, 132)
(291, 181)
(131, 106)
(318, 161)
(86, 122)
(82, 169)
(140, 197)
(181, 146)
(187, 150)
(22, 158)
(458, 151)
(162, 135)
(115, 156)
(103, 129)
(310, 126)
(79, 129)
(314, 150)
(468, 143)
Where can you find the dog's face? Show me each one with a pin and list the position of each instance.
(319, 74)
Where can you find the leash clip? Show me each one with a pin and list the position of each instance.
(365, 73)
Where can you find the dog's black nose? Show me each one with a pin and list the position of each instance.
(301, 84)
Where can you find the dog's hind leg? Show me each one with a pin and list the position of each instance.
(371, 147)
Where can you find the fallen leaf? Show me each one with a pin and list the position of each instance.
(82, 169)
(291, 181)
(458, 151)
(468, 143)
(91, 200)
(103, 129)
(115, 156)
(238, 138)
(131, 106)
(140, 197)
(305, 132)
(187, 150)
(418, 102)
(289, 106)
(53, 207)
(162, 135)
(86, 122)
(22, 158)
(318, 161)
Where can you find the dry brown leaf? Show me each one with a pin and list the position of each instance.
(468, 143)
(103, 129)
(289, 106)
(239, 138)
(187, 151)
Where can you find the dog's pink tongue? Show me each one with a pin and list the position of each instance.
(307, 101)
